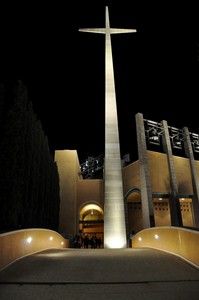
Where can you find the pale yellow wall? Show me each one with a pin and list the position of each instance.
(90, 191)
(76, 192)
(68, 168)
(134, 217)
(131, 176)
(161, 213)
(183, 174)
(187, 213)
(159, 172)
(160, 183)
(197, 167)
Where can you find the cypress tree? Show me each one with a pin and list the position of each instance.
(29, 184)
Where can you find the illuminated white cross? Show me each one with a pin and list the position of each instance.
(114, 214)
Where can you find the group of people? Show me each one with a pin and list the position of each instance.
(87, 241)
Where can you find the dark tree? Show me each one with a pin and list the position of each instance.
(29, 181)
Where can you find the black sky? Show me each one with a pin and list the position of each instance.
(156, 69)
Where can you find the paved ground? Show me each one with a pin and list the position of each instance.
(119, 274)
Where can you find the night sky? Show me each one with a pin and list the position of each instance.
(156, 69)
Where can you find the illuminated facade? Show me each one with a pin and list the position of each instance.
(159, 189)
(152, 191)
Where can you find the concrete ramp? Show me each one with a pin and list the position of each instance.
(100, 274)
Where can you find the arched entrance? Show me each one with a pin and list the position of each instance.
(134, 211)
(91, 220)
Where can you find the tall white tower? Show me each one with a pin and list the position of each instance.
(114, 213)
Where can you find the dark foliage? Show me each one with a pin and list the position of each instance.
(29, 180)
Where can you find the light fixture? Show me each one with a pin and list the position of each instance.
(29, 240)
(156, 236)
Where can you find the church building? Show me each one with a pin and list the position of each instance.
(159, 189)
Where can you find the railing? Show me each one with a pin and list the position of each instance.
(179, 241)
(16, 244)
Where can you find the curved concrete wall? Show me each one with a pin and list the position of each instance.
(16, 244)
(180, 241)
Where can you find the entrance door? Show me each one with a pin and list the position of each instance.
(91, 221)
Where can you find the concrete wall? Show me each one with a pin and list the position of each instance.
(159, 171)
(90, 191)
(68, 168)
(183, 174)
(16, 244)
(179, 241)
(131, 176)
(76, 192)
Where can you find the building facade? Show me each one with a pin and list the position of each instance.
(159, 189)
